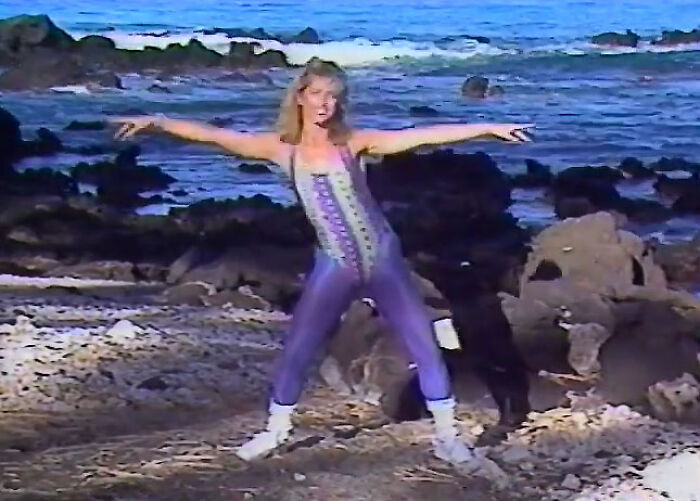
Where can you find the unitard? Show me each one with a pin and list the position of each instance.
(358, 255)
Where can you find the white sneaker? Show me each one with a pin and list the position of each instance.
(453, 450)
(261, 445)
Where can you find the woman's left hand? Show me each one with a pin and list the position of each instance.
(515, 133)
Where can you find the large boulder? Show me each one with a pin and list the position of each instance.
(594, 308)
(271, 272)
(476, 87)
(594, 185)
(21, 34)
(594, 254)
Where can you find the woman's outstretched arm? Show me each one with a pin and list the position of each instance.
(262, 146)
(386, 142)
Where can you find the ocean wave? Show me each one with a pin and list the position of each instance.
(352, 52)
(583, 48)
(359, 51)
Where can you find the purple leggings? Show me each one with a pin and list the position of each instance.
(329, 290)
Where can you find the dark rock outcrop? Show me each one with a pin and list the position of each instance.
(537, 175)
(627, 39)
(607, 319)
(476, 87)
(423, 111)
(307, 35)
(678, 37)
(39, 55)
(124, 173)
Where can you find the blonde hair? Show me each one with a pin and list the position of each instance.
(290, 120)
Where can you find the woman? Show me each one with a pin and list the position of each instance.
(358, 255)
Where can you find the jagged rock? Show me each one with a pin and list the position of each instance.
(475, 86)
(44, 72)
(307, 35)
(77, 125)
(254, 168)
(622, 259)
(677, 400)
(665, 164)
(22, 33)
(627, 39)
(190, 293)
(123, 174)
(46, 143)
(272, 272)
(423, 111)
(537, 175)
(95, 43)
(678, 37)
(680, 261)
(635, 168)
(37, 182)
(242, 54)
(585, 341)
(593, 301)
(582, 190)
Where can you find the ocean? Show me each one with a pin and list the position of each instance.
(591, 105)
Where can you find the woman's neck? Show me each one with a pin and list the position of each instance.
(315, 136)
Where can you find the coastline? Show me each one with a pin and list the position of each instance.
(137, 348)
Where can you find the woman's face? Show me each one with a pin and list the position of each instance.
(319, 99)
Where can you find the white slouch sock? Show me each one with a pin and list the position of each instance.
(279, 426)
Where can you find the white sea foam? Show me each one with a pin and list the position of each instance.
(352, 52)
(71, 89)
(43, 282)
(582, 48)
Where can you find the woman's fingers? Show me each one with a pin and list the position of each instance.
(120, 134)
(129, 126)
(521, 135)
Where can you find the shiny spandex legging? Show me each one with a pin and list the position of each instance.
(329, 290)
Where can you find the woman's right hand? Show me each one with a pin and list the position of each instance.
(132, 125)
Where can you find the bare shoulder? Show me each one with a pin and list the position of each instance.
(360, 140)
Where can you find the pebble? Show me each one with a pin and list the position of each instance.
(571, 482)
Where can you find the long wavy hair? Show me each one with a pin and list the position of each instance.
(290, 120)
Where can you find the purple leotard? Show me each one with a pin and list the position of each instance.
(358, 255)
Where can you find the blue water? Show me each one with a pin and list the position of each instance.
(592, 105)
(514, 21)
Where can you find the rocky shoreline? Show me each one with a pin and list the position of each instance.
(39, 55)
(583, 308)
(109, 393)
